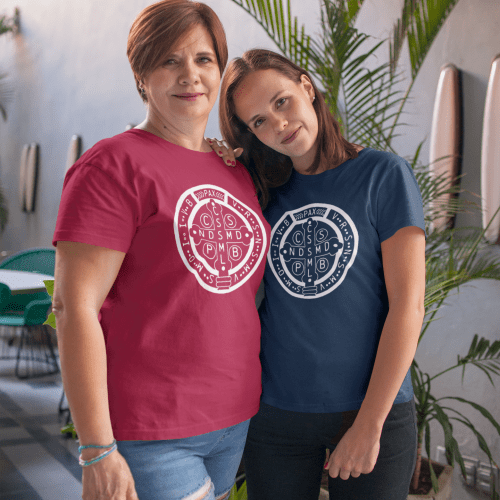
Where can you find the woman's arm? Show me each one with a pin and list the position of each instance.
(403, 257)
(83, 277)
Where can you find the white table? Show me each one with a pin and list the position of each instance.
(23, 281)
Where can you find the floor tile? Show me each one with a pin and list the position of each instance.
(12, 483)
(13, 433)
(46, 475)
(8, 422)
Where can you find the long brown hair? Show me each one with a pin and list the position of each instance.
(267, 167)
(160, 26)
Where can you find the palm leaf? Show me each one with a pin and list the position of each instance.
(353, 7)
(477, 407)
(450, 442)
(423, 27)
(399, 32)
(483, 445)
(484, 355)
(281, 27)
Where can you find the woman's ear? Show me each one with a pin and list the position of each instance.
(307, 86)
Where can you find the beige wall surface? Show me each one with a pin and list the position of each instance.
(69, 75)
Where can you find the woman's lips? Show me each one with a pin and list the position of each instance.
(290, 138)
(188, 97)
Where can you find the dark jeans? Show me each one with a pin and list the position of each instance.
(285, 453)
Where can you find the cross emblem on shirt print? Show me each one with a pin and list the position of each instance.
(311, 255)
(221, 239)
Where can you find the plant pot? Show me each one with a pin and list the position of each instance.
(444, 474)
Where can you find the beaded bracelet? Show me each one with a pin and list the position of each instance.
(80, 448)
(86, 463)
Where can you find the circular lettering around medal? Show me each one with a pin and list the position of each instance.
(250, 228)
(287, 273)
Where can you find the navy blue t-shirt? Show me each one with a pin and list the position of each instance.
(325, 297)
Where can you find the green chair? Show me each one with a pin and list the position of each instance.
(27, 312)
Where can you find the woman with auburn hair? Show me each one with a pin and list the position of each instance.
(344, 289)
(160, 251)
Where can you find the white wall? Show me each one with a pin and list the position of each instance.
(70, 75)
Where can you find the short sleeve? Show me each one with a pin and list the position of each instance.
(95, 209)
(399, 203)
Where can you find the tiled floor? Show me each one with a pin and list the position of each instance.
(36, 461)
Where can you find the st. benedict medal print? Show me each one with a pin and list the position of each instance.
(220, 239)
(312, 248)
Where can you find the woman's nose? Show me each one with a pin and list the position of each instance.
(189, 73)
(279, 122)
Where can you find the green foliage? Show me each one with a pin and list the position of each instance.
(7, 24)
(239, 494)
(51, 319)
(426, 19)
(69, 429)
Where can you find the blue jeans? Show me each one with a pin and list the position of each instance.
(285, 453)
(189, 468)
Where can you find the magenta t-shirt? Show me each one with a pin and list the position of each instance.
(181, 329)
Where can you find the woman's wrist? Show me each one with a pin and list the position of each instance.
(90, 452)
(102, 455)
(372, 422)
(90, 449)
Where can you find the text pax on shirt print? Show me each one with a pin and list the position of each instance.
(312, 248)
(220, 239)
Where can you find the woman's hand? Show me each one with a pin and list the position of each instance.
(227, 154)
(108, 479)
(356, 453)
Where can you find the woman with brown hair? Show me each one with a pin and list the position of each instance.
(160, 251)
(344, 288)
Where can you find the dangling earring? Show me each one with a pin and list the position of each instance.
(314, 97)
(143, 92)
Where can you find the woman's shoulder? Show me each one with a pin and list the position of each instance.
(115, 155)
(381, 163)
(383, 157)
(119, 145)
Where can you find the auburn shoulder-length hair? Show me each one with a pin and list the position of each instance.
(267, 167)
(160, 26)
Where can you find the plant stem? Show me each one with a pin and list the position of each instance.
(418, 465)
(444, 371)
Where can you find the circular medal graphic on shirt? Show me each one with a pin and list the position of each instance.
(220, 239)
(312, 248)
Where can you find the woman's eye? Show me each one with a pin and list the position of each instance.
(280, 102)
(258, 122)
(205, 59)
(169, 62)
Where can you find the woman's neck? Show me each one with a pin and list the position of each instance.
(302, 164)
(187, 134)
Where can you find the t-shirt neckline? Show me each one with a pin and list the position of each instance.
(166, 143)
(298, 177)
